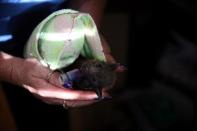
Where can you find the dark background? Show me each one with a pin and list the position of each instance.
(156, 41)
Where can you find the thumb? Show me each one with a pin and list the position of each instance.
(54, 78)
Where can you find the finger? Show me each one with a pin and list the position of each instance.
(38, 69)
(79, 103)
(67, 103)
(49, 90)
(55, 79)
(110, 58)
(105, 45)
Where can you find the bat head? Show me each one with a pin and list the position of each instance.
(96, 75)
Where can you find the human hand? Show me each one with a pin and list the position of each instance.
(110, 59)
(33, 76)
(36, 80)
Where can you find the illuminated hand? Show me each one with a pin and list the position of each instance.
(50, 91)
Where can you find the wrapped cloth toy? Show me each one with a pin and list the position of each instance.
(61, 38)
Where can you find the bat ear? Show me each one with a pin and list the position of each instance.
(99, 93)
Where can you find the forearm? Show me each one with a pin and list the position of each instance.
(94, 7)
(10, 68)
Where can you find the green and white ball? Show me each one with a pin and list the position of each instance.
(61, 37)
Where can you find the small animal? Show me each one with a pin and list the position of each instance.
(91, 75)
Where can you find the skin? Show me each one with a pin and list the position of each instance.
(32, 76)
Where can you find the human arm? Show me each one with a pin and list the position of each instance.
(31, 75)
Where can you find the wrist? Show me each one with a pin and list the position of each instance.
(10, 68)
(17, 71)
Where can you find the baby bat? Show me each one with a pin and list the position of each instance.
(90, 75)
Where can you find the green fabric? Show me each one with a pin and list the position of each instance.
(61, 37)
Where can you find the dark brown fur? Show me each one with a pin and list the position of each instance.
(95, 75)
